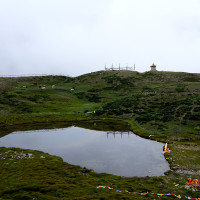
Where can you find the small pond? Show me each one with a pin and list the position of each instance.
(116, 152)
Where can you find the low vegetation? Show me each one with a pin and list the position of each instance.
(163, 106)
(27, 174)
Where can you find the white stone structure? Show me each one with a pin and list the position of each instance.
(153, 67)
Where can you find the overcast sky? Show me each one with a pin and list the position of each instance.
(74, 37)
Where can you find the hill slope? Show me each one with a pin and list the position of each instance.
(161, 102)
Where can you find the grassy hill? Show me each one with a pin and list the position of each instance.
(165, 105)
(161, 102)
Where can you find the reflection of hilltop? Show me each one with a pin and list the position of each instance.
(35, 126)
(117, 133)
(99, 125)
(104, 125)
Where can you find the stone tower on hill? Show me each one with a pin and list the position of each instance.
(153, 67)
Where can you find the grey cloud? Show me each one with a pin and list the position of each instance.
(77, 37)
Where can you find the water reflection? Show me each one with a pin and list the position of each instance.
(116, 152)
(116, 132)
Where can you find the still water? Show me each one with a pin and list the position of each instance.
(119, 153)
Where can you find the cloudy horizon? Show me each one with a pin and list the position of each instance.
(82, 36)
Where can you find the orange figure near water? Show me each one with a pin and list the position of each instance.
(166, 150)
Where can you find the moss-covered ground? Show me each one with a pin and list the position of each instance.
(28, 174)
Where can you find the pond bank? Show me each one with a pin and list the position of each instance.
(48, 177)
(27, 174)
(176, 146)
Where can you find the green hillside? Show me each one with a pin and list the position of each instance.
(164, 106)
(161, 102)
